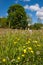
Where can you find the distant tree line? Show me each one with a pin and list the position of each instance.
(36, 26)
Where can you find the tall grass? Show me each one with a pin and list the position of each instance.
(21, 47)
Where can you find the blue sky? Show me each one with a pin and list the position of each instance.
(34, 8)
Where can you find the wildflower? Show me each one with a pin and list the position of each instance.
(29, 48)
(30, 31)
(37, 52)
(32, 51)
(4, 60)
(35, 41)
(12, 60)
(18, 58)
(38, 45)
(23, 55)
(23, 46)
(28, 41)
(15, 42)
(18, 39)
(24, 50)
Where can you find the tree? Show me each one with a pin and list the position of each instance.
(36, 26)
(17, 17)
(3, 22)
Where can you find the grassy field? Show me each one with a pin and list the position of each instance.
(21, 47)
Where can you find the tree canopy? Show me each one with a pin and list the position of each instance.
(17, 16)
(3, 22)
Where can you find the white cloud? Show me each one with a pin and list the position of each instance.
(26, 0)
(41, 18)
(39, 11)
(1, 16)
(26, 7)
(32, 7)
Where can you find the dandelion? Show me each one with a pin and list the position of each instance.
(4, 60)
(24, 50)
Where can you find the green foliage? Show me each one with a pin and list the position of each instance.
(3, 22)
(17, 16)
(36, 26)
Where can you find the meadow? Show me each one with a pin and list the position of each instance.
(21, 47)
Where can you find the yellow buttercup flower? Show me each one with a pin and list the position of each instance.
(4, 60)
(29, 48)
(23, 46)
(15, 42)
(24, 50)
(23, 55)
(18, 39)
(38, 45)
(28, 41)
(32, 51)
(18, 58)
(35, 41)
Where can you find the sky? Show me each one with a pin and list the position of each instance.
(33, 8)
